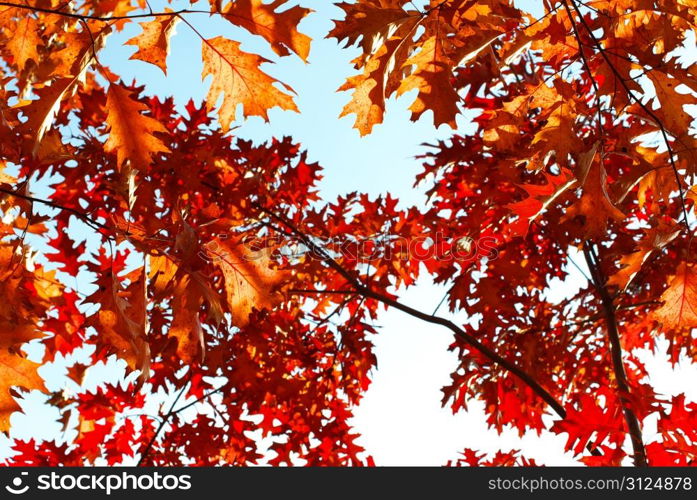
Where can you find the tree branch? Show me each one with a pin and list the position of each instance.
(163, 422)
(365, 291)
(81, 215)
(609, 311)
(74, 15)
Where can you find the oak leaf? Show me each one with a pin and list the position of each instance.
(250, 280)
(122, 321)
(186, 323)
(131, 134)
(679, 309)
(15, 370)
(432, 77)
(280, 29)
(237, 76)
(153, 42)
(42, 111)
(653, 240)
(24, 42)
(594, 205)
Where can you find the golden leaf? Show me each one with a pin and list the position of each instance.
(679, 309)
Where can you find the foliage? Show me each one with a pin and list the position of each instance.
(223, 280)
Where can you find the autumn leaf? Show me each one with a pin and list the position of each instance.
(25, 42)
(153, 42)
(675, 117)
(377, 82)
(78, 49)
(186, 323)
(42, 111)
(594, 205)
(122, 321)
(368, 99)
(432, 78)
(18, 325)
(280, 29)
(558, 132)
(653, 240)
(237, 76)
(589, 424)
(368, 21)
(250, 281)
(15, 371)
(540, 197)
(679, 309)
(131, 134)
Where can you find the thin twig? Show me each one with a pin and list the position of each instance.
(81, 215)
(164, 421)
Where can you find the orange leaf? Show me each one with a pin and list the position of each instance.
(595, 204)
(279, 29)
(24, 42)
(372, 87)
(19, 314)
(15, 371)
(679, 309)
(655, 239)
(131, 133)
(122, 321)
(237, 76)
(432, 77)
(153, 42)
(250, 281)
(42, 111)
(368, 22)
(186, 323)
